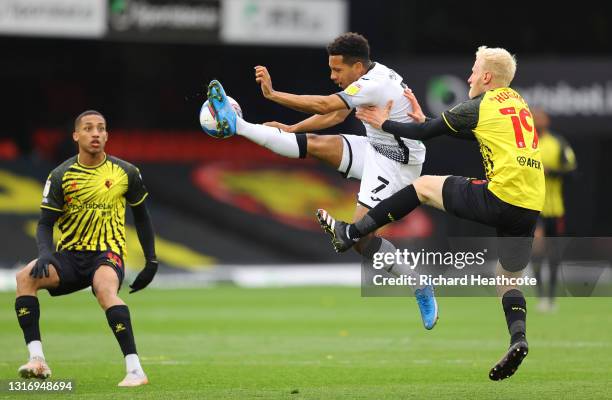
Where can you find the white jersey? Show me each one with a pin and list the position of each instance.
(376, 88)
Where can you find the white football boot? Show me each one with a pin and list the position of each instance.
(134, 378)
(35, 368)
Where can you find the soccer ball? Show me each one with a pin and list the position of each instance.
(207, 119)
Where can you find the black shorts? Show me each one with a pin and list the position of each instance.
(471, 199)
(76, 269)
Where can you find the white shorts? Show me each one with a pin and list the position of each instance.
(380, 176)
(353, 155)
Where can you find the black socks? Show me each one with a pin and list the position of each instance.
(515, 309)
(28, 314)
(119, 320)
(392, 209)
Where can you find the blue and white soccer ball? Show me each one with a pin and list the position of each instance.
(207, 119)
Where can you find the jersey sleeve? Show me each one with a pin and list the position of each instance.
(137, 191)
(568, 158)
(363, 92)
(464, 116)
(53, 193)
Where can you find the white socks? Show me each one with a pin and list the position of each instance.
(283, 143)
(35, 348)
(132, 363)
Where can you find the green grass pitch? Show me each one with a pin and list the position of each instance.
(314, 343)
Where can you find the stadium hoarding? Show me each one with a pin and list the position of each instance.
(282, 22)
(53, 18)
(576, 93)
(261, 22)
(185, 21)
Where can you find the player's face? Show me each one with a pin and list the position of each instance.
(477, 79)
(91, 134)
(343, 74)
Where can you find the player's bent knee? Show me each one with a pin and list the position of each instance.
(106, 286)
(429, 190)
(107, 296)
(23, 277)
(423, 187)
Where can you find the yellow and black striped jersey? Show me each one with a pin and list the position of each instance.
(92, 200)
(558, 158)
(502, 123)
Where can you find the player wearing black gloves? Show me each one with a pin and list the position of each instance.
(86, 197)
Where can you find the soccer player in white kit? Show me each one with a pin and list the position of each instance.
(384, 163)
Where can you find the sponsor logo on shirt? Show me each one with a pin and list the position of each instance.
(352, 89)
(529, 162)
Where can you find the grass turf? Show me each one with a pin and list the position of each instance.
(227, 342)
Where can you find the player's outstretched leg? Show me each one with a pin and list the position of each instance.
(224, 113)
(337, 230)
(341, 240)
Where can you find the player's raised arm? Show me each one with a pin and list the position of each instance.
(305, 103)
(456, 122)
(427, 130)
(379, 118)
(313, 123)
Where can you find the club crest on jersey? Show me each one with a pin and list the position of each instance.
(352, 89)
(108, 183)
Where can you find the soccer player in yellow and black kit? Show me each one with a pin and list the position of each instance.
(510, 199)
(86, 196)
(558, 160)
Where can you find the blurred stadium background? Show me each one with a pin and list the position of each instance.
(145, 63)
(230, 211)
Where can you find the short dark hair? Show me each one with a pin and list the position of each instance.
(352, 46)
(78, 119)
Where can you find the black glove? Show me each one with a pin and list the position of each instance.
(144, 277)
(41, 268)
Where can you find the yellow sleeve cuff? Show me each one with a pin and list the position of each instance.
(140, 201)
(447, 124)
(51, 208)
